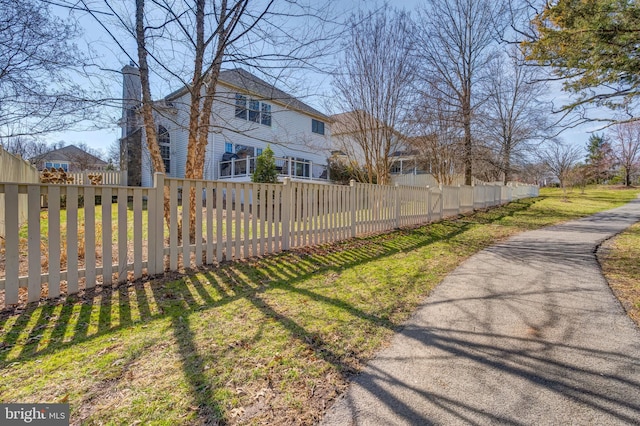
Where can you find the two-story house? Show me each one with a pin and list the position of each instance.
(248, 114)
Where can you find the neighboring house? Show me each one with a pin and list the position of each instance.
(405, 162)
(70, 159)
(248, 114)
(357, 135)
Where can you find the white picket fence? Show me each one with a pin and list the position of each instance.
(15, 169)
(92, 235)
(108, 177)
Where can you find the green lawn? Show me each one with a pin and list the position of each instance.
(270, 340)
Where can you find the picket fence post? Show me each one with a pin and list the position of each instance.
(12, 254)
(397, 201)
(485, 197)
(352, 184)
(155, 212)
(33, 291)
(287, 203)
(473, 195)
(428, 204)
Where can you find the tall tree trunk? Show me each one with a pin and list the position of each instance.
(191, 169)
(147, 109)
(507, 163)
(627, 176)
(468, 142)
(202, 106)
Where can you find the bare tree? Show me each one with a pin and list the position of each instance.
(438, 157)
(114, 154)
(27, 147)
(37, 94)
(514, 117)
(626, 148)
(375, 87)
(559, 158)
(440, 139)
(188, 42)
(534, 172)
(486, 165)
(456, 39)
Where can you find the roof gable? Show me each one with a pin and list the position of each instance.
(69, 153)
(242, 80)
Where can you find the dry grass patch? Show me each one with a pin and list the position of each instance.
(620, 260)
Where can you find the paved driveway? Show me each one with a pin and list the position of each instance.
(525, 333)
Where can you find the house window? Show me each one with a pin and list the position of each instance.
(317, 126)
(266, 115)
(51, 165)
(241, 106)
(253, 110)
(300, 167)
(258, 151)
(244, 151)
(164, 141)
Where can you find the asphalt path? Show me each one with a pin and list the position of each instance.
(526, 332)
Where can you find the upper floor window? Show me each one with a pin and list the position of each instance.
(253, 110)
(241, 106)
(265, 117)
(317, 126)
(164, 141)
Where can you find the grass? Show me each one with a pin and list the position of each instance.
(619, 259)
(269, 340)
(44, 222)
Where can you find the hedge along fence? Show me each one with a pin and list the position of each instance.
(106, 234)
(15, 169)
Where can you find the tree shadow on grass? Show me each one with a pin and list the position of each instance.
(106, 310)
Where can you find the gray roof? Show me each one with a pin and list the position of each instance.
(68, 153)
(247, 82)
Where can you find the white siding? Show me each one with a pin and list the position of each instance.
(289, 135)
(179, 137)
